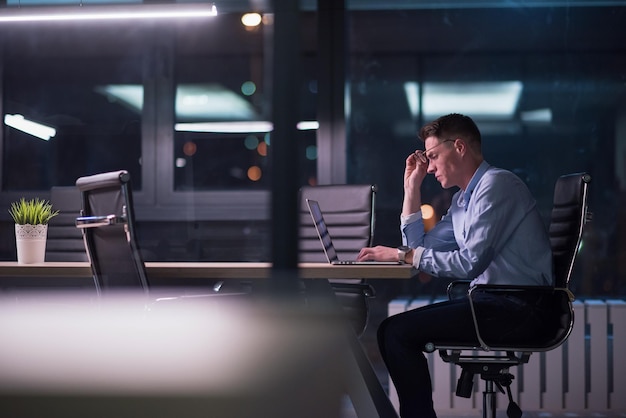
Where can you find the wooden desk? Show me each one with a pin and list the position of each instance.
(212, 270)
(48, 269)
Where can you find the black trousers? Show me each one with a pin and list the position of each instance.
(402, 337)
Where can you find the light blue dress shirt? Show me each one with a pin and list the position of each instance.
(492, 233)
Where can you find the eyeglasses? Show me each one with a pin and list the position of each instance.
(422, 154)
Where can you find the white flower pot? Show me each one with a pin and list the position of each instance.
(31, 243)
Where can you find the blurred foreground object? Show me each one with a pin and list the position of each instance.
(66, 356)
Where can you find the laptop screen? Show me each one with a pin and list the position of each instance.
(322, 230)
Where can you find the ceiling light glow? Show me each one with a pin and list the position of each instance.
(225, 127)
(20, 123)
(538, 116)
(107, 12)
(308, 125)
(411, 90)
(239, 127)
(478, 99)
(251, 19)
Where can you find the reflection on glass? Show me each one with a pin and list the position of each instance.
(548, 99)
(86, 132)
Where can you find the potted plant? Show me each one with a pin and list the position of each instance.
(31, 228)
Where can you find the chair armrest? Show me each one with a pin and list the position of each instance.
(458, 288)
(98, 221)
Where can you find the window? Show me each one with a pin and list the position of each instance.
(49, 81)
(544, 84)
(222, 127)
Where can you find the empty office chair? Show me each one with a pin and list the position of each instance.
(492, 361)
(108, 225)
(65, 242)
(349, 211)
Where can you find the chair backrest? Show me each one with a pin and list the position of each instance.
(349, 213)
(65, 242)
(569, 215)
(108, 225)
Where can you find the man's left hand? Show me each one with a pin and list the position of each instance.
(378, 253)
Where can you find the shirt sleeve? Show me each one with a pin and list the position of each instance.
(497, 207)
(440, 237)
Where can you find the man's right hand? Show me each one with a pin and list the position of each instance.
(414, 173)
(416, 166)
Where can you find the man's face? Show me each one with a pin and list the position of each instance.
(442, 160)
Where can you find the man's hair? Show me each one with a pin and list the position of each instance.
(453, 126)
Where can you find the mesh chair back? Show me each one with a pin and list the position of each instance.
(349, 213)
(108, 227)
(569, 214)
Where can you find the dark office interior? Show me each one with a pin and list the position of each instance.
(545, 82)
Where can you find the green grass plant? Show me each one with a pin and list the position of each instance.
(33, 211)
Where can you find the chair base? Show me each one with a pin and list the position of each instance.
(494, 375)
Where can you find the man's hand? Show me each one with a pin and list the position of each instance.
(416, 166)
(378, 253)
(414, 172)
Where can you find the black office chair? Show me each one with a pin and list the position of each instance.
(492, 361)
(108, 225)
(349, 211)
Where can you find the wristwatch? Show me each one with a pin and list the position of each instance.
(402, 252)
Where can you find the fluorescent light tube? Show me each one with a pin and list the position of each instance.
(308, 125)
(226, 127)
(489, 99)
(107, 12)
(239, 127)
(481, 99)
(536, 116)
(19, 122)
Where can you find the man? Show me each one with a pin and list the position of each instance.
(492, 233)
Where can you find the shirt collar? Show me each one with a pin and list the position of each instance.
(466, 194)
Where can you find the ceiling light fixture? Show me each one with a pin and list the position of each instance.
(20, 123)
(107, 12)
(251, 19)
(239, 127)
(479, 99)
(225, 127)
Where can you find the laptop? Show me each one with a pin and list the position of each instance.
(327, 242)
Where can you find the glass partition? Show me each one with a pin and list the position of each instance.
(544, 84)
(222, 127)
(62, 119)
